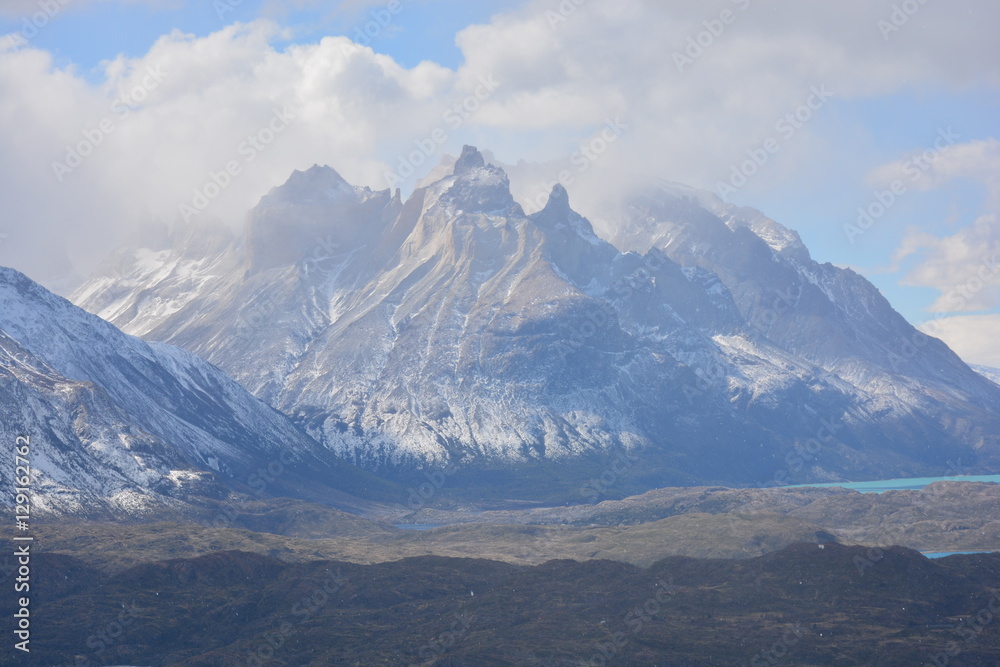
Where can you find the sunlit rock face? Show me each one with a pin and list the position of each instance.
(700, 338)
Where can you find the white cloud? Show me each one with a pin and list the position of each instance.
(210, 95)
(561, 80)
(606, 58)
(972, 337)
(937, 165)
(962, 266)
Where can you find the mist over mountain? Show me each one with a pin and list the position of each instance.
(698, 343)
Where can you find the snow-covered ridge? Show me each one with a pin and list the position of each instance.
(452, 327)
(991, 374)
(118, 424)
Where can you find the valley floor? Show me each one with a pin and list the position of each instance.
(806, 604)
(693, 576)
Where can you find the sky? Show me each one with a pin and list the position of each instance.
(868, 126)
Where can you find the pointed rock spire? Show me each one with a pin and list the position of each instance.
(470, 159)
(558, 200)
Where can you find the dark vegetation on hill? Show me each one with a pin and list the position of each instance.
(803, 605)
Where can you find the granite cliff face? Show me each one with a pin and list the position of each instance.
(701, 344)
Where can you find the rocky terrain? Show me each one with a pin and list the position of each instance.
(118, 427)
(807, 604)
(684, 340)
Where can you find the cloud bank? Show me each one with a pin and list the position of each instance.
(694, 87)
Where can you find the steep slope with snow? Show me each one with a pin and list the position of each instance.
(991, 374)
(828, 316)
(454, 328)
(120, 425)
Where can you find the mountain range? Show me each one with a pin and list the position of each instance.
(116, 426)
(496, 380)
(690, 341)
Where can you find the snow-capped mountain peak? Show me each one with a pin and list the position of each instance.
(453, 328)
(470, 160)
(120, 425)
(477, 187)
(314, 185)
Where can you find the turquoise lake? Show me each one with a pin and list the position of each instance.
(914, 483)
(418, 526)
(942, 554)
